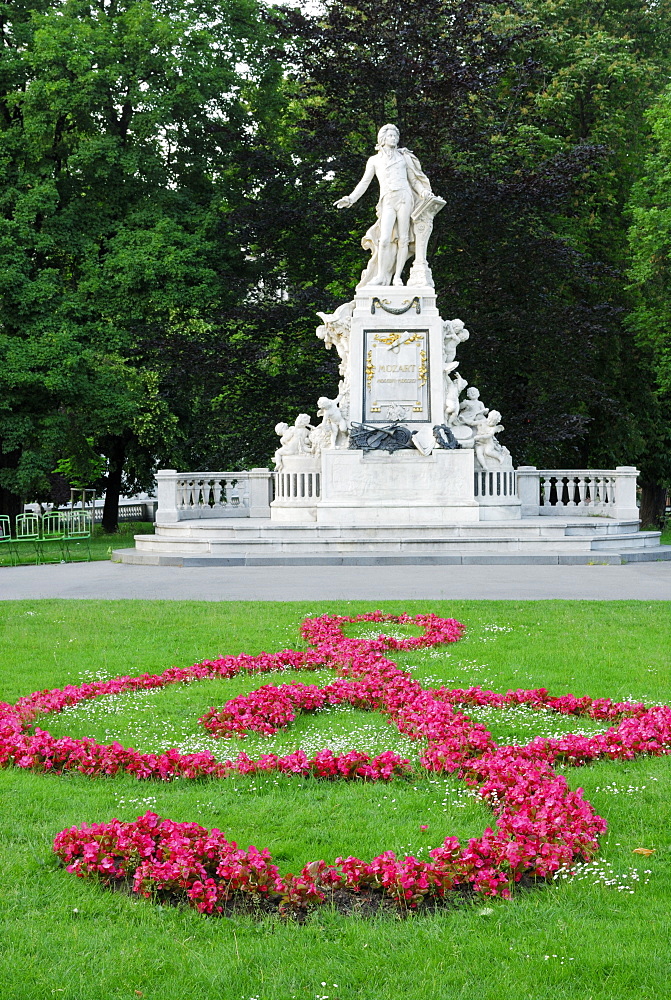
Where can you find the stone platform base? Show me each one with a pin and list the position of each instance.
(260, 542)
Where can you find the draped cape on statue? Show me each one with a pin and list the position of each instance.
(421, 190)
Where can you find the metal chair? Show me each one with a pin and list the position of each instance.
(78, 532)
(54, 529)
(26, 532)
(6, 537)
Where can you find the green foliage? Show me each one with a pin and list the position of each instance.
(120, 128)
(81, 469)
(650, 239)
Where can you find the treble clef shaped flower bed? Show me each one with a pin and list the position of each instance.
(540, 825)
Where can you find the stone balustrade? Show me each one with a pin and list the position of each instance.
(560, 492)
(183, 496)
(569, 492)
(495, 487)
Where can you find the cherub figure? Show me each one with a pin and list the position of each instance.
(293, 440)
(454, 333)
(471, 409)
(453, 389)
(488, 451)
(332, 431)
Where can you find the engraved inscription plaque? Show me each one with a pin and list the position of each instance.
(396, 376)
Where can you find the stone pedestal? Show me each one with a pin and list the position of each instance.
(374, 487)
(396, 345)
(297, 490)
(394, 373)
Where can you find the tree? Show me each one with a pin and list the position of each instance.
(121, 123)
(650, 271)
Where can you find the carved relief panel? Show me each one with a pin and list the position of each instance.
(396, 376)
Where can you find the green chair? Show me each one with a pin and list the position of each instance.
(53, 531)
(6, 537)
(78, 534)
(26, 532)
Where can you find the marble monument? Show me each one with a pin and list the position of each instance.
(403, 442)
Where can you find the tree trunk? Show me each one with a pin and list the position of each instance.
(116, 456)
(653, 501)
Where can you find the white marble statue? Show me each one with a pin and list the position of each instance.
(335, 332)
(293, 440)
(489, 453)
(472, 410)
(454, 333)
(332, 432)
(453, 389)
(406, 203)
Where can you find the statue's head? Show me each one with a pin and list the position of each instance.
(473, 393)
(302, 420)
(493, 417)
(281, 428)
(388, 132)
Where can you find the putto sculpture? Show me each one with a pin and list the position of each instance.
(405, 212)
(293, 440)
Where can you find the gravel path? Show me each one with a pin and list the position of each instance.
(117, 581)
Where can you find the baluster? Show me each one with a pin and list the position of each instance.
(601, 490)
(568, 493)
(581, 487)
(216, 493)
(609, 491)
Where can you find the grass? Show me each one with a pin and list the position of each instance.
(600, 934)
(102, 545)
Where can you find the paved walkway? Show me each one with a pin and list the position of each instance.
(115, 581)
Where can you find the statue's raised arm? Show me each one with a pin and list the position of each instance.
(405, 213)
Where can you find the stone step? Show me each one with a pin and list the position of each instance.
(539, 527)
(542, 557)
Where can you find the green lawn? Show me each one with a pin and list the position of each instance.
(601, 934)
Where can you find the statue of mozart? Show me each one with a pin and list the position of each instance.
(405, 194)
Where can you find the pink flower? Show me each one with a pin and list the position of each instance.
(539, 824)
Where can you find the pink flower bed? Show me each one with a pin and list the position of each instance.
(540, 824)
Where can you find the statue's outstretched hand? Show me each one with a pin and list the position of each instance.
(343, 202)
